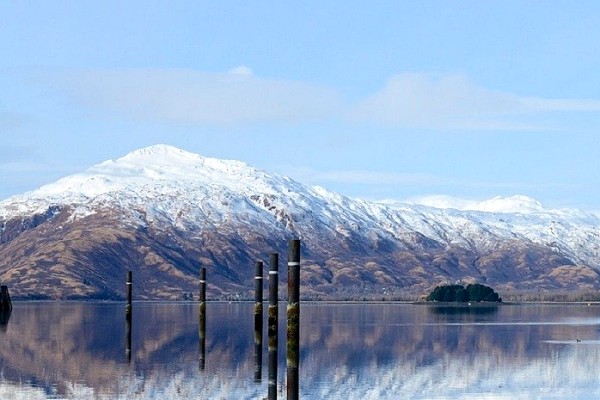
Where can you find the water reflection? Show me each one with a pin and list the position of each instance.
(463, 309)
(128, 340)
(4, 317)
(369, 351)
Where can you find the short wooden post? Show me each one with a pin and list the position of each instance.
(293, 320)
(258, 320)
(202, 319)
(273, 323)
(128, 316)
(5, 303)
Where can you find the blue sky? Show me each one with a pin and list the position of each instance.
(379, 100)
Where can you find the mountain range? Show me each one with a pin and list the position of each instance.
(162, 213)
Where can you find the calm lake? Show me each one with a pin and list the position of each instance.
(347, 351)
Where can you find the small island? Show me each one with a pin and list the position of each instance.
(460, 294)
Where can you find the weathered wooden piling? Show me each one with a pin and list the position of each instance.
(5, 303)
(273, 323)
(293, 320)
(258, 320)
(258, 293)
(128, 307)
(202, 318)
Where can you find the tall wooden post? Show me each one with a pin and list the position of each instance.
(129, 296)
(293, 320)
(202, 318)
(128, 315)
(273, 323)
(258, 320)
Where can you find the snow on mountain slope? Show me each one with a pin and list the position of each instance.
(161, 179)
(165, 185)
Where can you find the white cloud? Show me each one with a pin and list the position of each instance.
(548, 105)
(385, 178)
(412, 100)
(416, 99)
(189, 96)
(241, 70)
(377, 178)
(454, 102)
(360, 177)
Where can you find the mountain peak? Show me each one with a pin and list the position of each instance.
(167, 158)
(158, 151)
(152, 171)
(512, 204)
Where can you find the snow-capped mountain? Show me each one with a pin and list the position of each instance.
(163, 212)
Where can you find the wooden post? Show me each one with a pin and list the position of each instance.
(273, 323)
(293, 320)
(128, 316)
(5, 303)
(202, 319)
(258, 320)
(128, 308)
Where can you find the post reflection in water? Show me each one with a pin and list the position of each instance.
(4, 317)
(293, 321)
(258, 351)
(273, 323)
(128, 338)
(384, 351)
(202, 319)
(202, 341)
(258, 321)
(128, 315)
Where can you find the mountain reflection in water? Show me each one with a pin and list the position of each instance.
(369, 351)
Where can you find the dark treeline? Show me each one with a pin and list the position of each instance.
(458, 293)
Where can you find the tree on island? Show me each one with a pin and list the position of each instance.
(458, 293)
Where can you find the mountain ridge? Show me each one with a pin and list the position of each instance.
(168, 211)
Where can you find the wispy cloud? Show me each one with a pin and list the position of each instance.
(407, 100)
(549, 105)
(190, 96)
(454, 102)
(390, 182)
(377, 178)
(360, 177)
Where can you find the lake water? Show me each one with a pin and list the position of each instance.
(347, 351)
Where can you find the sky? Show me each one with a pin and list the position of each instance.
(386, 100)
